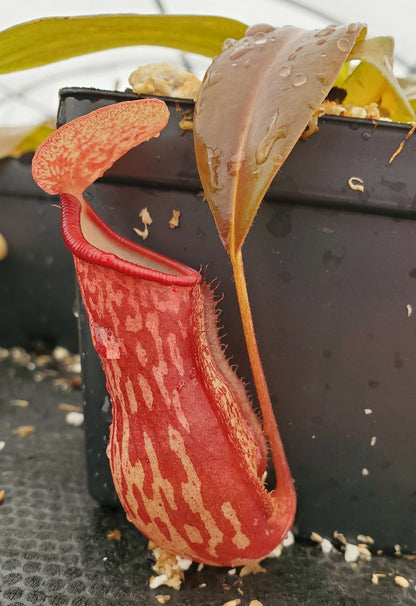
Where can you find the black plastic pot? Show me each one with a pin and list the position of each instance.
(37, 275)
(331, 272)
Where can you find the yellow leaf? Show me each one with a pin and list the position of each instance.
(373, 80)
(15, 141)
(52, 39)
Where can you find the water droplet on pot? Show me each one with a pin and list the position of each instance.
(246, 42)
(291, 57)
(228, 43)
(344, 45)
(331, 259)
(320, 41)
(366, 136)
(260, 38)
(75, 308)
(299, 79)
(234, 64)
(285, 71)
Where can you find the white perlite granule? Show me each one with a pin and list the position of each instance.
(352, 553)
(74, 418)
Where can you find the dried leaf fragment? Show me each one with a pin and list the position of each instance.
(365, 553)
(20, 403)
(146, 220)
(157, 581)
(256, 603)
(401, 581)
(235, 602)
(340, 537)
(376, 576)
(114, 535)
(316, 537)
(251, 569)
(174, 221)
(356, 183)
(399, 149)
(169, 568)
(162, 598)
(3, 247)
(23, 430)
(363, 538)
(2, 493)
(69, 407)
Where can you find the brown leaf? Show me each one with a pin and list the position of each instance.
(174, 221)
(114, 535)
(256, 100)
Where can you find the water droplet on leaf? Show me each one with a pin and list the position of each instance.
(352, 28)
(259, 27)
(299, 79)
(260, 38)
(344, 45)
(228, 43)
(274, 132)
(285, 71)
(239, 52)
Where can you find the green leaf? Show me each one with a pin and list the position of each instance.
(15, 141)
(255, 102)
(373, 80)
(52, 39)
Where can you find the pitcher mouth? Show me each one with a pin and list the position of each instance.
(91, 239)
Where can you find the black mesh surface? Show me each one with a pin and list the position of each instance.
(54, 548)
